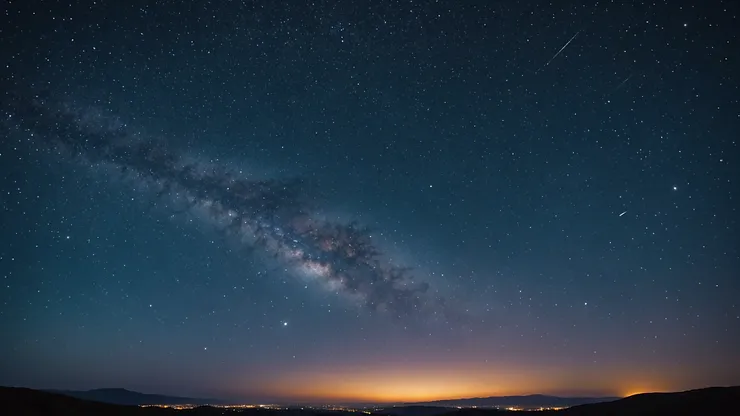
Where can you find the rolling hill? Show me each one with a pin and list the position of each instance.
(715, 401)
(128, 397)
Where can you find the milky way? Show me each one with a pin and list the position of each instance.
(268, 215)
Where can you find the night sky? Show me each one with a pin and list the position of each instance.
(369, 200)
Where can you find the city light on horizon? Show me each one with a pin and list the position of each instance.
(378, 202)
(394, 385)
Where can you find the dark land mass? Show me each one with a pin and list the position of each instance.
(28, 402)
(414, 410)
(133, 398)
(709, 401)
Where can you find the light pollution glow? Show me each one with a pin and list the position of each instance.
(394, 384)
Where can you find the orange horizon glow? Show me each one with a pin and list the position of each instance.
(397, 384)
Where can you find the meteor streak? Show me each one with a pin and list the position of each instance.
(561, 50)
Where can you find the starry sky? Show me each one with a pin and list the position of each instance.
(369, 200)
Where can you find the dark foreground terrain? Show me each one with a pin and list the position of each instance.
(710, 401)
(132, 398)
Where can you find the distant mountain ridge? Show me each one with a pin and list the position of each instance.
(713, 401)
(531, 400)
(133, 398)
(706, 401)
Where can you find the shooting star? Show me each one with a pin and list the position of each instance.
(623, 82)
(561, 50)
(623, 213)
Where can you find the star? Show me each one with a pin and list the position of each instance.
(282, 216)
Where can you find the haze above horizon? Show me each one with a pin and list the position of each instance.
(370, 200)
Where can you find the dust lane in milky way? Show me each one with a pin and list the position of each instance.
(269, 215)
(179, 181)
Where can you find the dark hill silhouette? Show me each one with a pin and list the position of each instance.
(532, 400)
(412, 410)
(709, 401)
(29, 402)
(133, 398)
(716, 401)
(713, 401)
(20, 401)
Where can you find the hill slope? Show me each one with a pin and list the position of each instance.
(128, 397)
(413, 410)
(709, 401)
(716, 401)
(20, 401)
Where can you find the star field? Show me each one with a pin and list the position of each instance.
(373, 201)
